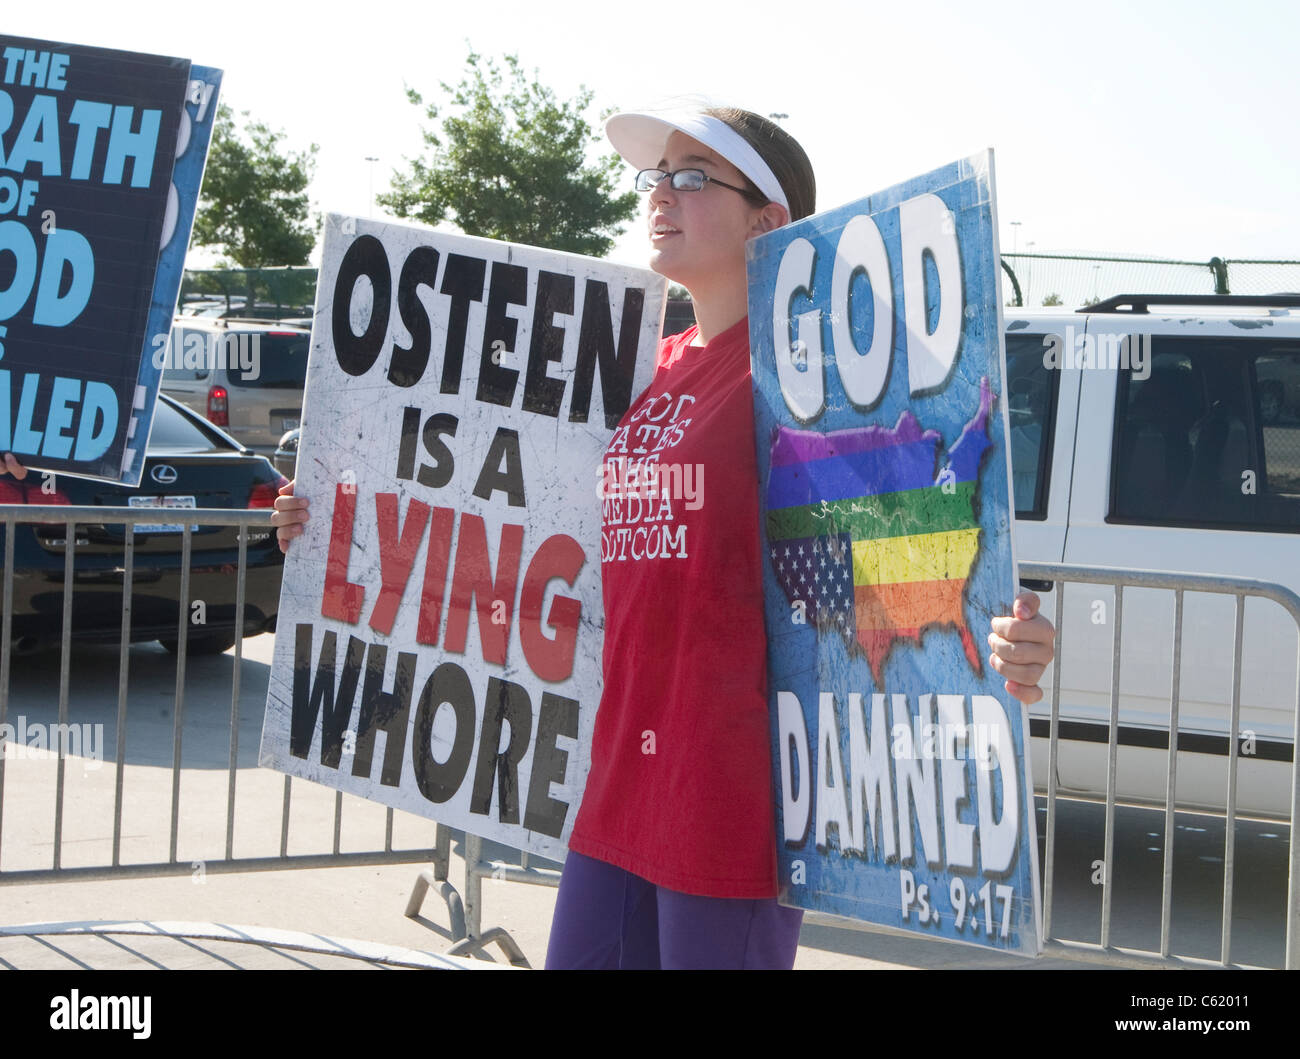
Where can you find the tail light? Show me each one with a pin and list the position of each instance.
(264, 493)
(218, 406)
(38, 495)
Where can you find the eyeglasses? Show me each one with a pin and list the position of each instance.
(687, 180)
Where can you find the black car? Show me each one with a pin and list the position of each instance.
(189, 463)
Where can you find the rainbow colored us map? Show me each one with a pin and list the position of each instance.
(861, 528)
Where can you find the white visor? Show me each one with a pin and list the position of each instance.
(641, 138)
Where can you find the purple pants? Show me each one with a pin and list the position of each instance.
(607, 918)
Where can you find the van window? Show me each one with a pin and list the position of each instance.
(197, 344)
(267, 359)
(1031, 407)
(1192, 443)
(1277, 394)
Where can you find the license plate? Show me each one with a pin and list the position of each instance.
(161, 502)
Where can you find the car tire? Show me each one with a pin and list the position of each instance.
(214, 643)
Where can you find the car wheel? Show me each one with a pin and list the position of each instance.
(1270, 403)
(215, 643)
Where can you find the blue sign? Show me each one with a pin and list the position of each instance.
(101, 154)
(199, 114)
(904, 795)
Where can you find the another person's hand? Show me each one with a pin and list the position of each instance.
(12, 466)
(289, 515)
(1022, 647)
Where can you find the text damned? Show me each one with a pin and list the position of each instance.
(892, 789)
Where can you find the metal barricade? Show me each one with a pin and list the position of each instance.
(466, 920)
(477, 867)
(15, 516)
(1240, 589)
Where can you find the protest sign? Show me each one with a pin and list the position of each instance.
(101, 156)
(902, 777)
(439, 636)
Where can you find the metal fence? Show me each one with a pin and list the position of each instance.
(466, 919)
(15, 516)
(287, 291)
(1072, 280)
(1240, 589)
(477, 867)
(1031, 279)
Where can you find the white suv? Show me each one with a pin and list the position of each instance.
(1162, 433)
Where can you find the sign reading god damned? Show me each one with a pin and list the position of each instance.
(440, 630)
(904, 792)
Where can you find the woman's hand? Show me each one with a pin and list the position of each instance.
(12, 466)
(289, 515)
(1022, 647)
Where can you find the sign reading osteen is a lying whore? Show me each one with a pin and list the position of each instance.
(440, 629)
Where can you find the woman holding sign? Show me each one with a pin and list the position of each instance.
(672, 858)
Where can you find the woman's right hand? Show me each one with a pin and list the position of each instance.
(12, 466)
(289, 515)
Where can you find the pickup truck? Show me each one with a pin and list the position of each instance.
(1161, 433)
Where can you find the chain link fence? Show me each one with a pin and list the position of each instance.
(265, 293)
(1068, 280)
(1071, 280)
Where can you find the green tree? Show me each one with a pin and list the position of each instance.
(510, 161)
(1052, 299)
(254, 205)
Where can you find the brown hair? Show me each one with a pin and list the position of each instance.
(781, 152)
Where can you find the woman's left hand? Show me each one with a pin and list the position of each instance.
(1022, 647)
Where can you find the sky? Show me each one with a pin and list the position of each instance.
(1140, 127)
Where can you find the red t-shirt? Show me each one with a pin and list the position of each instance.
(680, 790)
